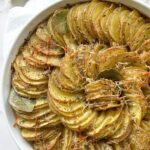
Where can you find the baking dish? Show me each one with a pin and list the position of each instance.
(28, 28)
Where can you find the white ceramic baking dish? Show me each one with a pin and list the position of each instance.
(6, 71)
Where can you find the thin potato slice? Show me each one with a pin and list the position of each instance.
(32, 92)
(145, 46)
(140, 37)
(27, 55)
(134, 15)
(64, 83)
(88, 18)
(96, 18)
(137, 74)
(80, 123)
(50, 49)
(67, 136)
(98, 98)
(35, 114)
(75, 109)
(103, 123)
(54, 35)
(40, 103)
(30, 72)
(26, 80)
(124, 128)
(74, 18)
(48, 143)
(103, 146)
(31, 135)
(123, 19)
(113, 24)
(46, 60)
(136, 101)
(90, 61)
(46, 121)
(134, 28)
(42, 33)
(60, 95)
(68, 69)
(82, 22)
(70, 23)
(109, 58)
(139, 138)
(104, 20)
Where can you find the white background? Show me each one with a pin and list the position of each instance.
(6, 141)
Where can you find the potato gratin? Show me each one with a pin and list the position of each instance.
(82, 80)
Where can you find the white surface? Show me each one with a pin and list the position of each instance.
(6, 141)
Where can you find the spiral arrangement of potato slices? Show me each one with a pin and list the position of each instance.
(82, 80)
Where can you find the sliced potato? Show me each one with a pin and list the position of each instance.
(26, 80)
(142, 35)
(103, 146)
(136, 101)
(96, 17)
(134, 15)
(42, 32)
(104, 122)
(90, 60)
(74, 18)
(70, 23)
(35, 114)
(64, 83)
(104, 20)
(32, 92)
(45, 121)
(46, 60)
(81, 122)
(113, 24)
(48, 143)
(82, 22)
(40, 46)
(123, 19)
(88, 17)
(134, 28)
(75, 109)
(41, 103)
(109, 58)
(124, 128)
(136, 74)
(60, 95)
(30, 72)
(69, 69)
(67, 136)
(101, 89)
(102, 94)
(139, 138)
(145, 46)
(28, 56)
(33, 135)
(54, 35)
